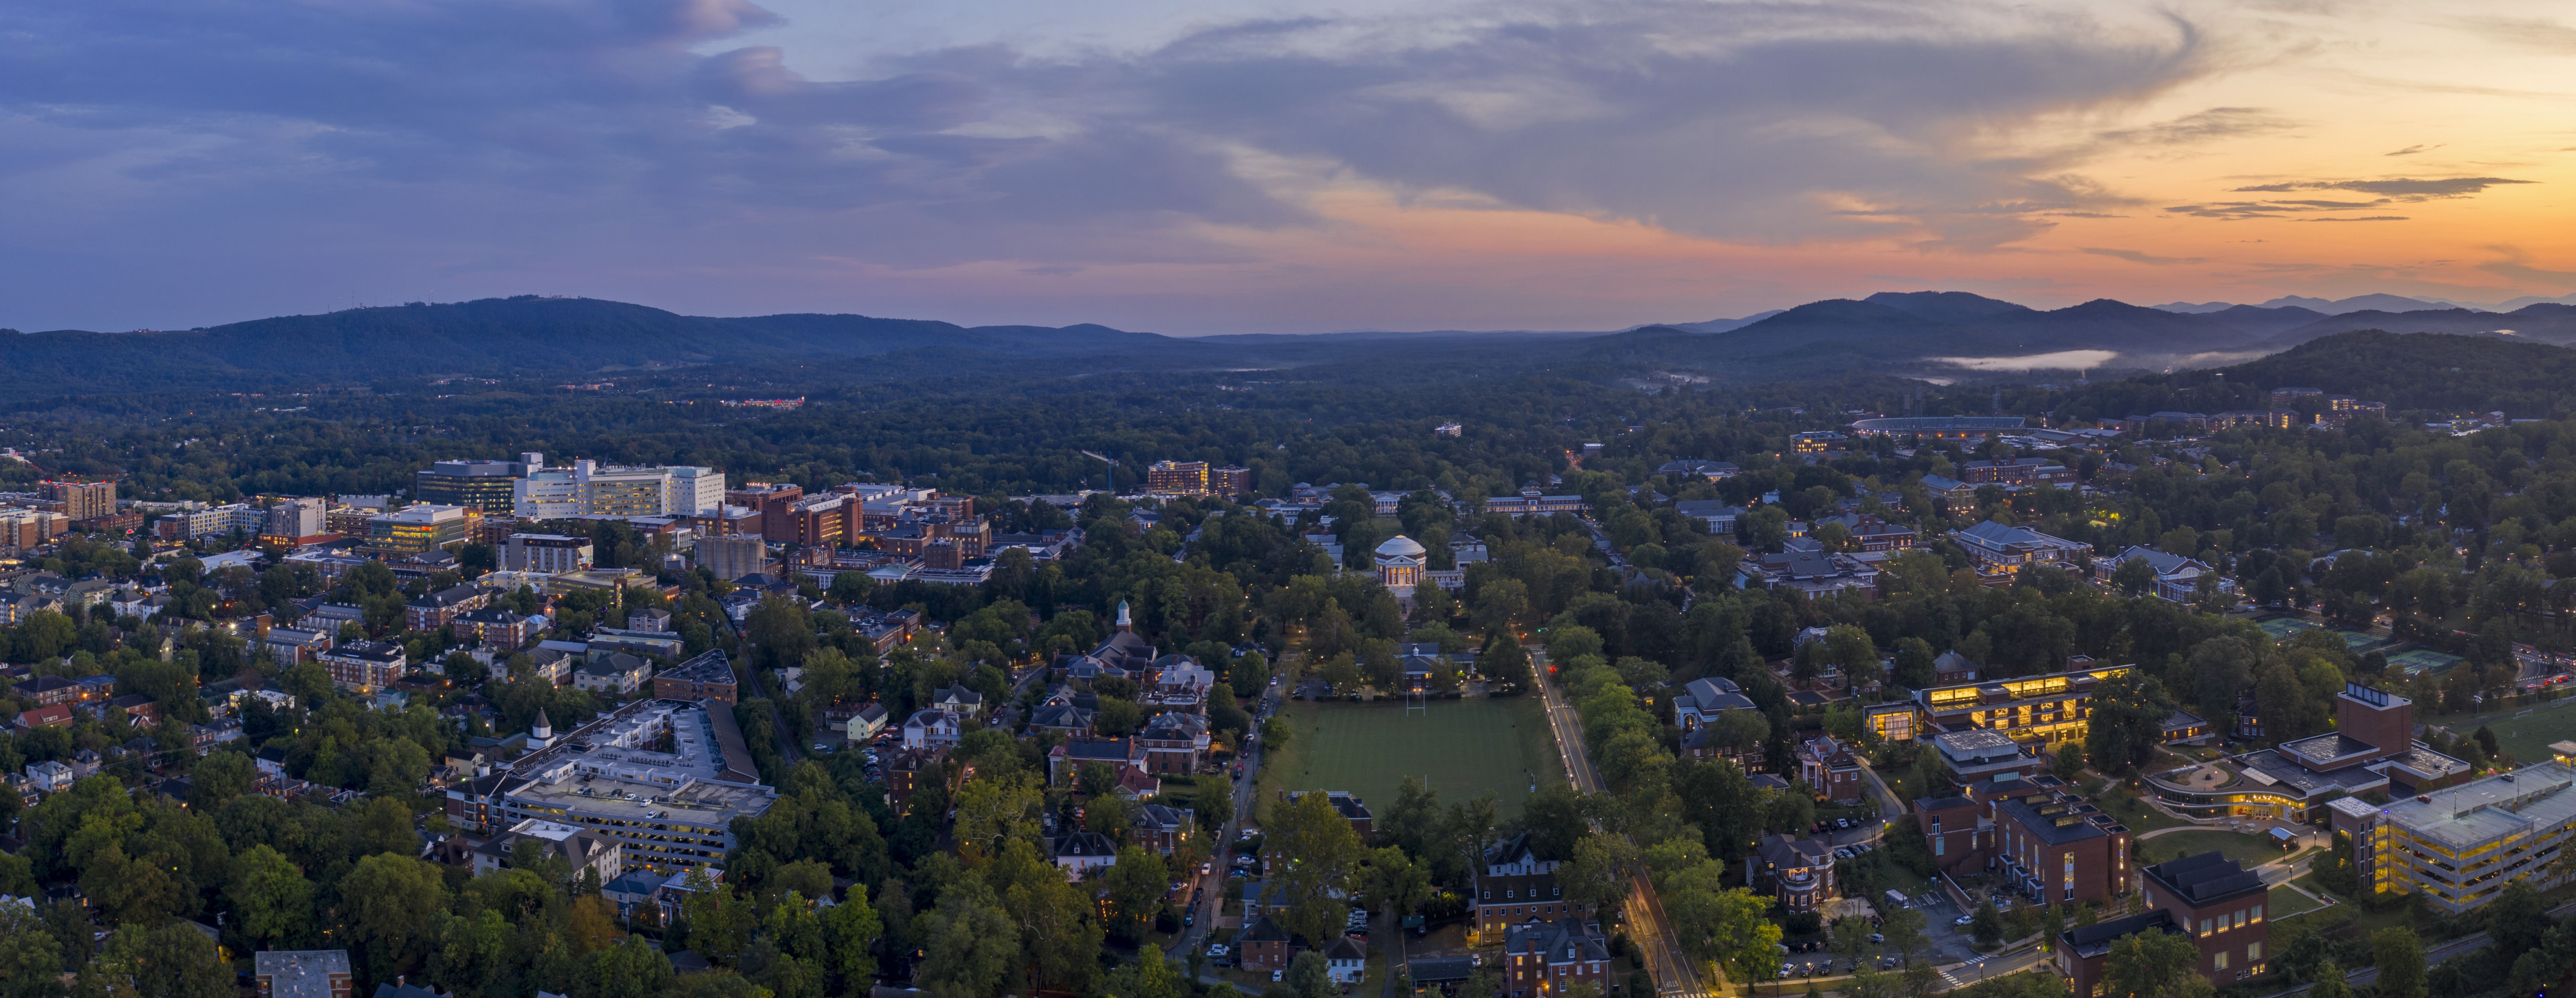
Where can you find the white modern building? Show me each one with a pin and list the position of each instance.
(588, 488)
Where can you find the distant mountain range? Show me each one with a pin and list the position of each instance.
(1937, 335)
(2370, 303)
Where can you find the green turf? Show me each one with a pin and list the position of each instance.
(2524, 736)
(2250, 850)
(1460, 748)
(2285, 902)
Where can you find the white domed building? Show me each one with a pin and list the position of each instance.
(1400, 562)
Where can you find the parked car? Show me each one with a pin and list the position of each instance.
(1219, 949)
(1964, 920)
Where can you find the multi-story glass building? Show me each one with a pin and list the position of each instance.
(490, 486)
(419, 529)
(2033, 710)
(588, 488)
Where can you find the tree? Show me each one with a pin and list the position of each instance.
(2069, 763)
(383, 896)
(2399, 955)
(30, 956)
(1396, 882)
(1307, 977)
(1316, 852)
(2133, 576)
(968, 944)
(1987, 924)
(272, 902)
(2154, 965)
(851, 929)
(1599, 874)
(173, 961)
(2330, 982)
(218, 778)
(1149, 977)
(1136, 885)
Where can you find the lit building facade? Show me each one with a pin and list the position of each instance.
(2461, 845)
(421, 529)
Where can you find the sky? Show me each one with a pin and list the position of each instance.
(1229, 166)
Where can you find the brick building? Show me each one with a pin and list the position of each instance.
(1546, 958)
(2207, 897)
(706, 677)
(1515, 887)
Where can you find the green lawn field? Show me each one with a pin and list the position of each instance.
(2522, 732)
(2250, 850)
(1460, 748)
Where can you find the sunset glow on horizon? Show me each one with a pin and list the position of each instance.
(1225, 167)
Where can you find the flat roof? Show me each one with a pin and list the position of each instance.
(617, 766)
(2482, 810)
(2269, 768)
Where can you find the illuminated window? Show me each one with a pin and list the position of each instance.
(2220, 960)
(2204, 926)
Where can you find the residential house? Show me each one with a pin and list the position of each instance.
(1825, 764)
(2177, 577)
(1549, 958)
(959, 700)
(1516, 886)
(1162, 828)
(616, 672)
(50, 716)
(311, 973)
(1346, 961)
(931, 727)
(1350, 807)
(1081, 854)
(1798, 871)
(1064, 761)
(1264, 945)
(1174, 743)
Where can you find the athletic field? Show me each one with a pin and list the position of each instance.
(1460, 748)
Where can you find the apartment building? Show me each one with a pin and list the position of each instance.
(431, 611)
(1799, 872)
(81, 500)
(1548, 958)
(216, 521)
(707, 677)
(2030, 834)
(549, 554)
(363, 667)
(21, 529)
(309, 973)
(1177, 478)
(1516, 887)
(294, 521)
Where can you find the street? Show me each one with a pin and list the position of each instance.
(1648, 925)
(1211, 886)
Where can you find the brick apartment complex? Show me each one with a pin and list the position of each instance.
(364, 666)
(81, 500)
(1829, 767)
(706, 677)
(432, 611)
(2046, 844)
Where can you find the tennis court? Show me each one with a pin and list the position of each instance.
(2423, 662)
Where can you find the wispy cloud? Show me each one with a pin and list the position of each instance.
(2412, 150)
(2367, 218)
(2203, 126)
(2134, 256)
(2404, 188)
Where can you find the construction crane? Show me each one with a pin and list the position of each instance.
(1112, 480)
